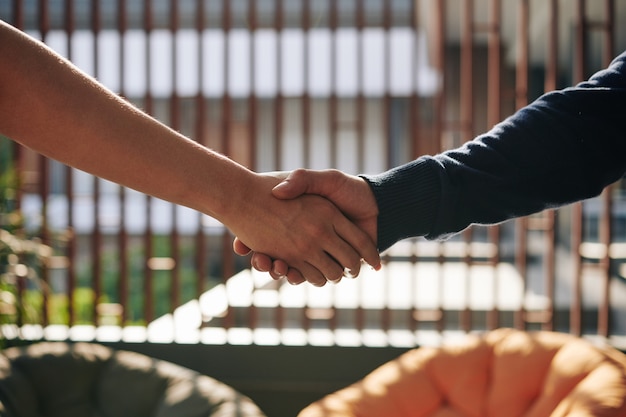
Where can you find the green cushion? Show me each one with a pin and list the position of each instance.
(86, 380)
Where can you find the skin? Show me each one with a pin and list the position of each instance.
(351, 194)
(50, 106)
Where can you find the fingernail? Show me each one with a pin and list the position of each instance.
(279, 275)
(279, 185)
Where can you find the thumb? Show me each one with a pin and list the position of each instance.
(294, 185)
(240, 248)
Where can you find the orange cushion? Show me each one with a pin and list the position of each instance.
(505, 372)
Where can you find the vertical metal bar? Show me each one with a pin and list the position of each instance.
(414, 132)
(439, 62)
(17, 165)
(18, 14)
(387, 72)
(332, 104)
(467, 74)
(227, 269)
(227, 105)
(360, 100)
(521, 74)
(96, 238)
(18, 160)
(69, 183)
(360, 111)
(306, 98)
(414, 118)
(253, 313)
(278, 104)
(466, 127)
(493, 117)
(122, 240)
(334, 107)
(306, 114)
(521, 99)
(17, 20)
(606, 196)
(576, 238)
(43, 166)
(550, 84)
(494, 61)
(17, 149)
(387, 24)
(609, 46)
(148, 305)
(577, 212)
(278, 124)
(175, 124)
(605, 262)
(200, 120)
(252, 99)
(580, 36)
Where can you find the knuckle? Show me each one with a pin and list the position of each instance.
(317, 231)
(317, 282)
(304, 246)
(335, 275)
(299, 171)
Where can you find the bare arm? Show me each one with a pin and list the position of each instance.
(50, 106)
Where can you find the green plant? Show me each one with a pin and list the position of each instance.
(22, 255)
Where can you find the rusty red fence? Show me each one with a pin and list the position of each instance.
(357, 85)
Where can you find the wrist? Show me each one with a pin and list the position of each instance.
(247, 201)
(407, 197)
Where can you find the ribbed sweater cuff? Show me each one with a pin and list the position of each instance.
(407, 197)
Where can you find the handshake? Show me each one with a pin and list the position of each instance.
(319, 226)
(331, 227)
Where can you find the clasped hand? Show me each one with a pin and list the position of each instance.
(329, 236)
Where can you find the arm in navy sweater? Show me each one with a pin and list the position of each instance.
(564, 147)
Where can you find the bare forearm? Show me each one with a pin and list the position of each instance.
(50, 106)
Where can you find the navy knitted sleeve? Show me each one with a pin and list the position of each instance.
(566, 146)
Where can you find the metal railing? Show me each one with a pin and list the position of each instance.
(357, 85)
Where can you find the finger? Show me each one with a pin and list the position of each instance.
(240, 248)
(330, 268)
(341, 252)
(312, 275)
(347, 272)
(293, 186)
(305, 181)
(280, 268)
(328, 254)
(360, 242)
(261, 262)
(338, 280)
(294, 277)
(275, 276)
